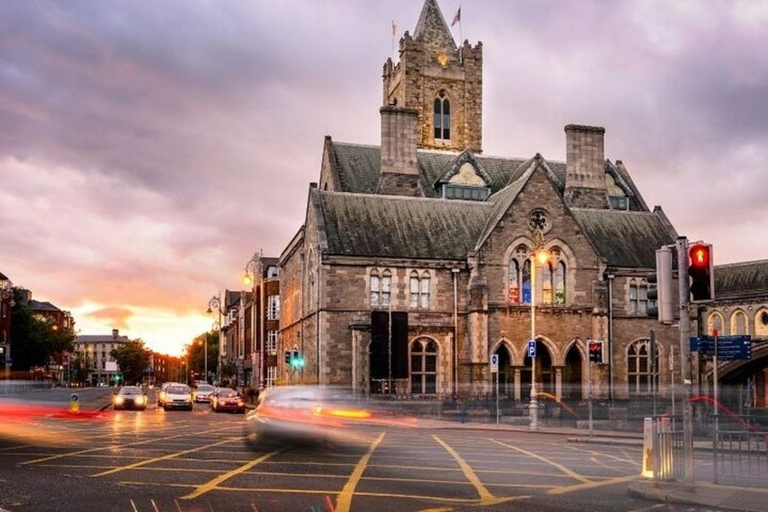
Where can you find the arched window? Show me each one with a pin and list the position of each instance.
(640, 372)
(738, 323)
(715, 323)
(442, 117)
(424, 367)
(386, 288)
(375, 289)
(560, 283)
(426, 282)
(761, 323)
(513, 293)
(414, 288)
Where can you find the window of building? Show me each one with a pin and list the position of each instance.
(451, 191)
(546, 284)
(638, 297)
(272, 272)
(419, 287)
(425, 285)
(640, 372)
(375, 289)
(424, 367)
(271, 343)
(414, 288)
(442, 117)
(273, 307)
(271, 376)
(738, 323)
(513, 290)
(526, 278)
(386, 288)
(560, 283)
(715, 323)
(761, 323)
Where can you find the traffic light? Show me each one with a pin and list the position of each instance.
(596, 351)
(297, 361)
(288, 357)
(701, 272)
(663, 293)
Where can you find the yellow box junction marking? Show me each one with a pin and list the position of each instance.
(591, 485)
(562, 468)
(469, 473)
(202, 489)
(344, 499)
(158, 459)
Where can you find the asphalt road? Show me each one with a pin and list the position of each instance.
(196, 461)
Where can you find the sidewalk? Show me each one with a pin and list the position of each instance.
(615, 435)
(748, 499)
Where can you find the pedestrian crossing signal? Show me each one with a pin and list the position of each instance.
(297, 360)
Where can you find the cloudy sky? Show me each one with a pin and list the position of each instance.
(147, 149)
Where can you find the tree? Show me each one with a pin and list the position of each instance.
(34, 340)
(133, 359)
(194, 352)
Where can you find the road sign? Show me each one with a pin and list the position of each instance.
(531, 348)
(729, 348)
(494, 363)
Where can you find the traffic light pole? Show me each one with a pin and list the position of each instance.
(685, 357)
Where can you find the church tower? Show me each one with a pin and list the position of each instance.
(440, 81)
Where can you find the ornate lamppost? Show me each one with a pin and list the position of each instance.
(214, 302)
(537, 254)
(6, 292)
(253, 269)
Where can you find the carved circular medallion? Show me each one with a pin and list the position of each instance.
(538, 220)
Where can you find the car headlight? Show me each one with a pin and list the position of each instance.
(118, 400)
(139, 400)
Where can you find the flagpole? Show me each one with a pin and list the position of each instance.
(394, 30)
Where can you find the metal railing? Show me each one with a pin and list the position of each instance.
(668, 455)
(741, 457)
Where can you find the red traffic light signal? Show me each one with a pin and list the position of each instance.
(701, 272)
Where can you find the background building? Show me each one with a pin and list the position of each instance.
(94, 351)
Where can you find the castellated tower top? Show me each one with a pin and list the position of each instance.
(442, 82)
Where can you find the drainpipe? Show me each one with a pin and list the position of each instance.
(610, 336)
(455, 272)
(317, 317)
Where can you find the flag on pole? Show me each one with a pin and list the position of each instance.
(457, 18)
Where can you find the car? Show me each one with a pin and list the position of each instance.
(203, 393)
(130, 397)
(161, 392)
(177, 396)
(225, 399)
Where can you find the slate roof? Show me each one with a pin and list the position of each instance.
(101, 338)
(741, 280)
(433, 28)
(36, 305)
(401, 227)
(3, 277)
(624, 238)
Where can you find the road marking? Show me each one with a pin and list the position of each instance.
(134, 506)
(158, 459)
(204, 488)
(591, 485)
(153, 505)
(137, 443)
(608, 455)
(562, 468)
(344, 499)
(485, 495)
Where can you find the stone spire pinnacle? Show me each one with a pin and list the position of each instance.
(433, 30)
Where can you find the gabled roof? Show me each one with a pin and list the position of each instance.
(453, 167)
(400, 227)
(3, 277)
(624, 238)
(358, 166)
(741, 280)
(433, 28)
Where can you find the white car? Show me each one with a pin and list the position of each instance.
(203, 393)
(177, 396)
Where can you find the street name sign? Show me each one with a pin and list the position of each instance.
(729, 348)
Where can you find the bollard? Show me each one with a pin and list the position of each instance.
(74, 403)
(648, 431)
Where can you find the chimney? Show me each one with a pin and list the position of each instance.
(399, 168)
(585, 167)
(115, 333)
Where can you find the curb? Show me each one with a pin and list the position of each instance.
(635, 490)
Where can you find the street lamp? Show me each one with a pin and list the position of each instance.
(214, 302)
(537, 254)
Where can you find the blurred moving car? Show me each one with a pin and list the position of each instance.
(225, 399)
(311, 414)
(130, 397)
(177, 396)
(161, 392)
(203, 393)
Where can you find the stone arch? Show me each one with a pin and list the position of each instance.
(574, 378)
(554, 353)
(712, 323)
(439, 372)
(514, 355)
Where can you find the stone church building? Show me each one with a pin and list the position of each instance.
(420, 258)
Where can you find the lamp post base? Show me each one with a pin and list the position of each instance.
(534, 412)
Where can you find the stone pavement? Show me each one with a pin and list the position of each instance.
(730, 497)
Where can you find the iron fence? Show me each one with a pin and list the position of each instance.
(667, 457)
